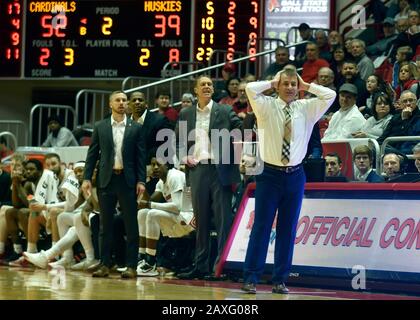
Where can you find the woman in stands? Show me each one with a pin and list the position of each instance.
(407, 80)
(381, 115)
(374, 85)
(339, 56)
(232, 87)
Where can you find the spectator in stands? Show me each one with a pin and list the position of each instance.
(374, 85)
(187, 100)
(416, 156)
(4, 149)
(152, 122)
(404, 7)
(242, 105)
(326, 79)
(335, 39)
(282, 59)
(168, 217)
(348, 46)
(163, 104)
(324, 49)
(363, 160)
(382, 46)
(405, 37)
(59, 136)
(392, 164)
(406, 123)
(313, 63)
(350, 74)
(346, 120)
(249, 77)
(418, 67)
(403, 54)
(338, 54)
(402, 24)
(413, 21)
(376, 8)
(24, 186)
(305, 33)
(228, 72)
(382, 114)
(333, 165)
(16, 167)
(364, 63)
(406, 79)
(232, 91)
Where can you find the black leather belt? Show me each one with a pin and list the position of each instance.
(117, 171)
(288, 169)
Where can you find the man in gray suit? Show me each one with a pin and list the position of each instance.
(205, 147)
(117, 142)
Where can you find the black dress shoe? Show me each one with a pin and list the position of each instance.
(249, 288)
(193, 274)
(280, 288)
(212, 277)
(102, 272)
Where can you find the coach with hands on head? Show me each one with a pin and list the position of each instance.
(284, 129)
(117, 142)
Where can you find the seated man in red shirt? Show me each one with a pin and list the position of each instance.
(313, 63)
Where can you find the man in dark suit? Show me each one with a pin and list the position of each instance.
(152, 122)
(117, 142)
(210, 169)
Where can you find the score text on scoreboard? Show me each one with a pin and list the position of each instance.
(105, 39)
(11, 26)
(226, 25)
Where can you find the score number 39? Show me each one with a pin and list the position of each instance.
(162, 25)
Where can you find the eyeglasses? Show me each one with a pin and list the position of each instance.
(411, 100)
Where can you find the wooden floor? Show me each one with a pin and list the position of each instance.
(36, 284)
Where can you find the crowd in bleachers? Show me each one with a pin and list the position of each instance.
(378, 97)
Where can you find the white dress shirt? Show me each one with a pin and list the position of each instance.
(202, 148)
(362, 177)
(118, 129)
(343, 124)
(270, 118)
(143, 116)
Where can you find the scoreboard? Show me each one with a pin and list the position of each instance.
(119, 38)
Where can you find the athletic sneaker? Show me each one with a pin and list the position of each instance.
(139, 265)
(85, 265)
(121, 269)
(146, 270)
(63, 262)
(38, 259)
